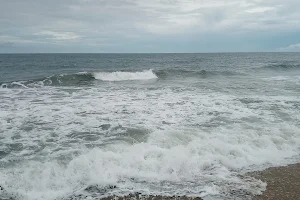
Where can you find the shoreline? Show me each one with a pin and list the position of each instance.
(282, 182)
(151, 197)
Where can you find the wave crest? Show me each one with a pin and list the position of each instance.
(124, 76)
(282, 66)
(55, 80)
(163, 73)
(81, 78)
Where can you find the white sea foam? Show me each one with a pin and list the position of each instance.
(277, 78)
(294, 79)
(163, 141)
(124, 76)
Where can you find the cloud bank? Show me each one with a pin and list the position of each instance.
(148, 26)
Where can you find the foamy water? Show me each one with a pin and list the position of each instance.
(125, 76)
(186, 136)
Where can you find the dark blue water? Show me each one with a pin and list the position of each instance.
(76, 125)
(41, 65)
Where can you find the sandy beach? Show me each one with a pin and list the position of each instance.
(158, 197)
(283, 183)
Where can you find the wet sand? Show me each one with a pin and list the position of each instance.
(283, 183)
(157, 197)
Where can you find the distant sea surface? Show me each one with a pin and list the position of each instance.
(84, 126)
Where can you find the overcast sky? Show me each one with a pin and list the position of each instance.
(149, 25)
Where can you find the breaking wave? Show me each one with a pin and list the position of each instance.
(55, 80)
(81, 78)
(85, 78)
(124, 76)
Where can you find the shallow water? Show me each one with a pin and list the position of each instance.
(162, 124)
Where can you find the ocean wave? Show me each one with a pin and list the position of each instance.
(192, 73)
(55, 80)
(175, 142)
(282, 66)
(81, 78)
(185, 165)
(124, 76)
(85, 78)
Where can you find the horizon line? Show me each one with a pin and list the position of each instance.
(150, 52)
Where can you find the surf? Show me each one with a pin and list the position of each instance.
(81, 78)
(125, 76)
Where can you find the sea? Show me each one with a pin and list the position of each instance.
(87, 126)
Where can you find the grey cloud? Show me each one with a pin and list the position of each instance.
(103, 22)
(293, 47)
(59, 36)
(6, 44)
